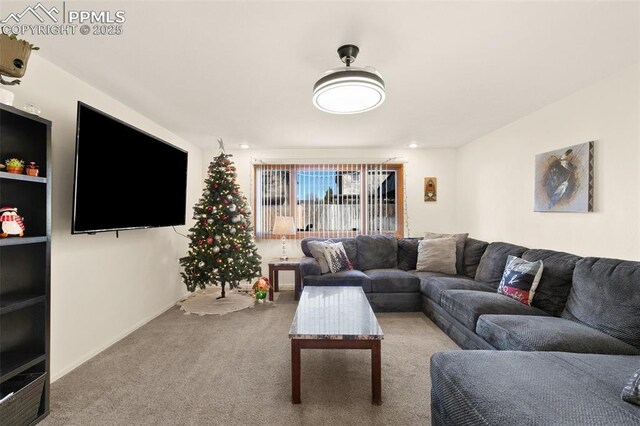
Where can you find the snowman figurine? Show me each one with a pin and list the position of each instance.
(11, 222)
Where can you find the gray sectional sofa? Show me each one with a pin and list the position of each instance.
(581, 332)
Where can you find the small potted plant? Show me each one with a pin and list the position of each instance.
(32, 169)
(15, 166)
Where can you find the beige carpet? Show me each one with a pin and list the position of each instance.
(205, 302)
(234, 369)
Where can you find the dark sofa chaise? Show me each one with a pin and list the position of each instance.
(581, 332)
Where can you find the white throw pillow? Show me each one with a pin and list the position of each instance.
(437, 255)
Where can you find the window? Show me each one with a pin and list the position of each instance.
(330, 200)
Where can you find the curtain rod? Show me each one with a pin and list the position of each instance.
(392, 160)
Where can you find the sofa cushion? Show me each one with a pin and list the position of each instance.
(473, 251)
(532, 388)
(437, 255)
(467, 305)
(494, 260)
(460, 242)
(342, 278)
(349, 246)
(377, 252)
(317, 252)
(606, 296)
(434, 287)
(408, 253)
(336, 257)
(531, 333)
(520, 279)
(392, 281)
(555, 283)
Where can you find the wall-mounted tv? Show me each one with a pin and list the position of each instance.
(124, 178)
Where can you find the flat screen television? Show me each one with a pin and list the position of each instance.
(124, 178)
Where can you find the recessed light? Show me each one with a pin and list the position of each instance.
(244, 145)
(413, 145)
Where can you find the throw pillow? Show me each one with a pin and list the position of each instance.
(520, 279)
(317, 250)
(461, 239)
(336, 258)
(438, 255)
(631, 392)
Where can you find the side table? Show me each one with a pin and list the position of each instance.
(277, 265)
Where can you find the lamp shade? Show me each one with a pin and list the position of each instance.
(284, 225)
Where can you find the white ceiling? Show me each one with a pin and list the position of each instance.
(244, 71)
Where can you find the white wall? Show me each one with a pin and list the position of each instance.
(102, 288)
(496, 174)
(434, 216)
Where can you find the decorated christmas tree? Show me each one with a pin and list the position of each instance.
(222, 250)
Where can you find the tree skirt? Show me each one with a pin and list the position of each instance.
(204, 302)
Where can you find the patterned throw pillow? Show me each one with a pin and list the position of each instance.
(337, 258)
(631, 392)
(317, 250)
(438, 255)
(520, 279)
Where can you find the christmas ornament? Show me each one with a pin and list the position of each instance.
(232, 230)
(237, 246)
(218, 260)
(11, 222)
(227, 246)
(235, 219)
(200, 243)
(229, 197)
(232, 207)
(217, 237)
(216, 249)
(201, 264)
(209, 221)
(209, 208)
(225, 202)
(206, 192)
(209, 240)
(230, 260)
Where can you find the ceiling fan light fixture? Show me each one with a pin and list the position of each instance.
(349, 90)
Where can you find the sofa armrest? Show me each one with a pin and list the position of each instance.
(309, 266)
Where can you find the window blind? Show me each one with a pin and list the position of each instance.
(329, 200)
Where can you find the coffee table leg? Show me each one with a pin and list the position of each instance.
(295, 371)
(376, 373)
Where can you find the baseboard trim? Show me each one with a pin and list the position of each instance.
(112, 342)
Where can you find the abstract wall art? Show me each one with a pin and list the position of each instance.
(564, 180)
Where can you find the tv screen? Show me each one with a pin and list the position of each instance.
(124, 178)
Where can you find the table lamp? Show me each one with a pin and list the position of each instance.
(284, 225)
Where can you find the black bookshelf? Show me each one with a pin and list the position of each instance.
(25, 274)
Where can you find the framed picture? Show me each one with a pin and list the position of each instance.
(430, 189)
(564, 180)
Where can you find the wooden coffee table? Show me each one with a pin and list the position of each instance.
(335, 318)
